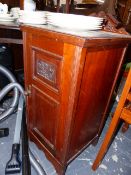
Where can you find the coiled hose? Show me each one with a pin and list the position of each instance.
(14, 103)
(5, 113)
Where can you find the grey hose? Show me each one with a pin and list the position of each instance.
(2, 110)
(33, 160)
(36, 164)
(17, 87)
(12, 79)
(3, 92)
(9, 87)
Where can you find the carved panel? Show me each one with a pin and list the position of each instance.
(46, 70)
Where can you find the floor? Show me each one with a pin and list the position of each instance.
(116, 162)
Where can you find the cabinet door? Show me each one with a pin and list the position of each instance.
(43, 104)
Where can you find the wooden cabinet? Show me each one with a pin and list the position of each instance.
(70, 79)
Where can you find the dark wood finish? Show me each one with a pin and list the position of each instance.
(17, 51)
(21, 4)
(71, 80)
(124, 13)
(108, 7)
(69, 7)
(123, 111)
(124, 7)
(11, 3)
(10, 34)
(110, 24)
(87, 123)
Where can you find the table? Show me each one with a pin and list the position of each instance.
(11, 35)
(12, 30)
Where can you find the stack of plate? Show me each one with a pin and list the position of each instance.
(100, 1)
(74, 22)
(7, 17)
(32, 17)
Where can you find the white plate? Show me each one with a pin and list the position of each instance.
(72, 17)
(80, 21)
(8, 18)
(26, 21)
(32, 14)
(79, 27)
(74, 21)
(31, 18)
(5, 15)
(74, 24)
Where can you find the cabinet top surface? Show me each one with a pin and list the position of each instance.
(83, 34)
(81, 38)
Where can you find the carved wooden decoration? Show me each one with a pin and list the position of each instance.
(46, 70)
(111, 24)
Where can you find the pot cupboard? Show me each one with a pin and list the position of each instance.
(69, 79)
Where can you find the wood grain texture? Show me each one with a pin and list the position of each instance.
(66, 116)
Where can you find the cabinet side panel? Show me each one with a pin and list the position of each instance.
(98, 78)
